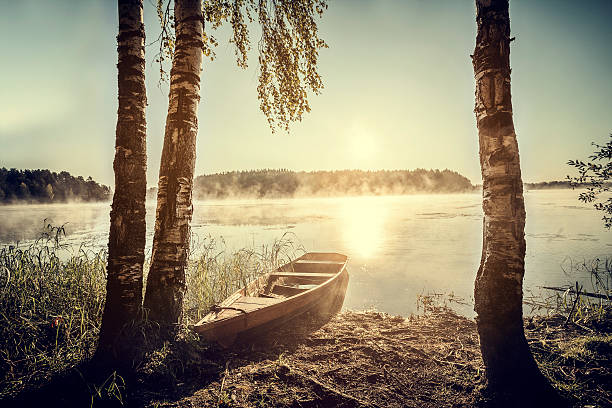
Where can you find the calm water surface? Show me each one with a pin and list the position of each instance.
(399, 246)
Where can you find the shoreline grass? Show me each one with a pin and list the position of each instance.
(51, 303)
(52, 296)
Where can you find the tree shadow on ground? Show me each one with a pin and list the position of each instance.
(189, 366)
(167, 370)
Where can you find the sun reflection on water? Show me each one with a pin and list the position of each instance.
(363, 220)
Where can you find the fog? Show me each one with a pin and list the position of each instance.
(19, 222)
(398, 246)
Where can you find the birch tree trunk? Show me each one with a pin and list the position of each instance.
(498, 291)
(166, 280)
(127, 230)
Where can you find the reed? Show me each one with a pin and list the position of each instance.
(216, 272)
(52, 298)
(583, 305)
(51, 301)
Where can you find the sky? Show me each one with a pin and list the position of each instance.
(399, 90)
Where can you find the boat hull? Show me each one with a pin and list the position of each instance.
(323, 299)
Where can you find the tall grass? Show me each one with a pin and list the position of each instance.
(215, 273)
(51, 301)
(575, 301)
(52, 298)
(587, 309)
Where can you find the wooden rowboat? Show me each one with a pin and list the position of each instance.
(315, 282)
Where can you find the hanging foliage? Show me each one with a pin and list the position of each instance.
(288, 49)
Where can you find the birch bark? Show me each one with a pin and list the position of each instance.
(127, 230)
(166, 279)
(498, 289)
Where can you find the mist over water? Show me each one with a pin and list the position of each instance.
(399, 246)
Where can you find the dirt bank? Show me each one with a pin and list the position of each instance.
(373, 359)
(357, 359)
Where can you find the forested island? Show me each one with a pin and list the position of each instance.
(283, 183)
(45, 186)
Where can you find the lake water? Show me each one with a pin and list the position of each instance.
(399, 246)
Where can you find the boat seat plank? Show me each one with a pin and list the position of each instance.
(286, 290)
(246, 304)
(302, 274)
(255, 301)
(299, 280)
(272, 295)
(314, 261)
(311, 267)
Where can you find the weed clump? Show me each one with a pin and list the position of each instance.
(51, 302)
(52, 299)
(214, 273)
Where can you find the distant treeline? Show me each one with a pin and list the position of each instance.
(547, 185)
(285, 183)
(550, 185)
(44, 186)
